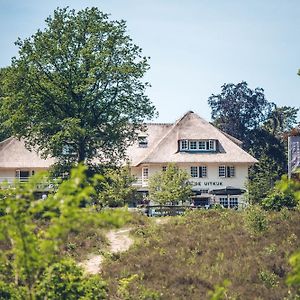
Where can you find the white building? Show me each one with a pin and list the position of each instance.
(214, 160)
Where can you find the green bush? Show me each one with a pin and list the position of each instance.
(256, 219)
(65, 280)
(278, 200)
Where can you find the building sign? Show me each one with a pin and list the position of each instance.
(294, 154)
(206, 183)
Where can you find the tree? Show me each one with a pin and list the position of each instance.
(238, 110)
(75, 91)
(4, 131)
(261, 126)
(117, 188)
(169, 186)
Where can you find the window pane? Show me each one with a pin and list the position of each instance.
(202, 145)
(183, 145)
(224, 202)
(232, 171)
(193, 145)
(222, 171)
(202, 171)
(194, 172)
(212, 145)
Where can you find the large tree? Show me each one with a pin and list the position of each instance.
(260, 125)
(238, 110)
(75, 91)
(170, 186)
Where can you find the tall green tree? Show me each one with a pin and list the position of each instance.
(4, 131)
(75, 91)
(261, 126)
(238, 110)
(170, 186)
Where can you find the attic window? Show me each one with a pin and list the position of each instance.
(197, 145)
(143, 142)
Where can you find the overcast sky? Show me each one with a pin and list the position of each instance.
(195, 45)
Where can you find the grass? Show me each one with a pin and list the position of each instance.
(188, 256)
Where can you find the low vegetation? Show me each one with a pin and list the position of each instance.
(243, 255)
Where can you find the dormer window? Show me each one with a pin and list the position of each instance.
(197, 145)
(184, 145)
(143, 142)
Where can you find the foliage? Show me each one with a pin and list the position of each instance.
(4, 131)
(279, 198)
(294, 277)
(262, 178)
(65, 280)
(256, 219)
(36, 228)
(169, 186)
(75, 90)
(269, 279)
(117, 188)
(187, 256)
(238, 110)
(219, 291)
(261, 126)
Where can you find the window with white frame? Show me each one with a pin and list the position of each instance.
(145, 173)
(226, 171)
(143, 142)
(164, 168)
(197, 145)
(193, 145)
(184, 145)
(212, 145)
(233, 202)
(202, 145)
(194, 171)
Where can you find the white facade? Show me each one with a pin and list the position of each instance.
(213, 159)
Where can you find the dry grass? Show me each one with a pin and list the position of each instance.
(186, 257)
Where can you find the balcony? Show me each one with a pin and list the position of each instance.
(10, 182)
(140, 182)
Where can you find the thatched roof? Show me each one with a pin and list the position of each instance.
(13, 154)
(163, 144)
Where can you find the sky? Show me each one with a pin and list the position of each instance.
(195, 45)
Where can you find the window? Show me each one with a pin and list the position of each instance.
(226, 171)
(233, 202)
(143, 142)
(193, 145)
(194, 171)
(164, 168)
(197, 145)
(212, 145)
(202, 145)
(202, 171)
(222, 171)
(145, 174)
(224, 202)
(184, 145)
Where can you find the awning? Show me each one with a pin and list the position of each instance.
(228, 190)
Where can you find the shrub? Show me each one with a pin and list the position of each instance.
(65, 280)
(256, 219)
(268, 278)
(278, 200)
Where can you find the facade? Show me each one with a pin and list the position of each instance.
(217, 164)
(215, 160)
